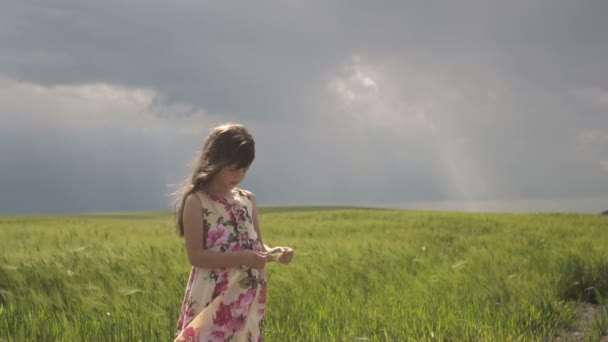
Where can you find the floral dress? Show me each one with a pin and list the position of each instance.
(225, 304)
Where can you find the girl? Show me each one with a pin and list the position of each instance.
(226, 292)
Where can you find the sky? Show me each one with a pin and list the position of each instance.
(470, 105)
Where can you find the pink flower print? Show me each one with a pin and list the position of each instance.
(227, 206)
(223, 315)
(191, 313)
(221, 285)
(189, 335)
(232, 216)
(232, 316)
(242, 215)
(236, 247)
(217, 235)
(219, 336)
(257, 246)
(242, 305)
(217, 198)
(263, 293)
(262, 300)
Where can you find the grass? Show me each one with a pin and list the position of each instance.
(358, 274)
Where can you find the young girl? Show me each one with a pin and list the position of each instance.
(226, 292)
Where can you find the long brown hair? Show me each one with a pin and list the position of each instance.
(228, 144)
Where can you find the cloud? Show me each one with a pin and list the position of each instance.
(349, 102)
(90, 147)
(266, 59)
(485, 138)
(594, 96)
(593, 136)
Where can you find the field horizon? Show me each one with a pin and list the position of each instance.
(575, 205)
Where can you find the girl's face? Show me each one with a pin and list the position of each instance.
(230, 176)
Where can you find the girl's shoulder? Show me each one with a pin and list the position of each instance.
(245, 193)
(197, 197)
(193, 198)
(192, 203)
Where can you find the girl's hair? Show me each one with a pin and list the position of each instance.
(228, 144)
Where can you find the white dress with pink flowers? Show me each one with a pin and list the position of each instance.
(225, 304)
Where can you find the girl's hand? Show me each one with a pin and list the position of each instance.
(273, 254)
(275, 250)
(254, 259)
(286, 256)
(280, 254)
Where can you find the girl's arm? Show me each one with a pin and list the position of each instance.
(203, 258)
(286, 252)
(256, 224)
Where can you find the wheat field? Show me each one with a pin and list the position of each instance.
(358, 275)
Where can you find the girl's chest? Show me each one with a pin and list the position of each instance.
(230, 217)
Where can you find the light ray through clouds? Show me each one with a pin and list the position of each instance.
(373, 99)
